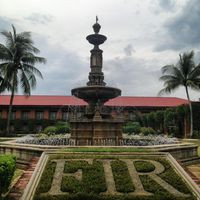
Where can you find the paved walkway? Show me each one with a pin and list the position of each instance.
(17, 190)
(194, 172)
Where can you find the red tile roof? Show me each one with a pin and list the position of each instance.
(37, 100)
(147, 101)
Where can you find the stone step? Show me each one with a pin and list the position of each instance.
(17, 190)
(191, 170)
(190, 161)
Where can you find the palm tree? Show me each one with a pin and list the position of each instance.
(4, 84)
(17, 65)
(185, 73)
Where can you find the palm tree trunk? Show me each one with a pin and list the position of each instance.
(10, 110)
(191, 113)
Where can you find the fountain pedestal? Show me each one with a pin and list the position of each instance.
(95, 126)
(96, 132)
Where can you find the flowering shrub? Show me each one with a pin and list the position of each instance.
(128, 140)
(43, 139)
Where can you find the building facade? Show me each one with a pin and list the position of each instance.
(35, 112)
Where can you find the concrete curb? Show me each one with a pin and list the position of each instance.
(194, 187)
(32, 185)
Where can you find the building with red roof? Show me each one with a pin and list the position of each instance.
(44, 107)
(125, 101)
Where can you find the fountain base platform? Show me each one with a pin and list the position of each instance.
(96, 131)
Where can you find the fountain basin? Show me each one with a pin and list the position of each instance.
(96, 39)
(94, 94)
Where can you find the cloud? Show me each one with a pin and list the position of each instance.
(168, 5)
(134, 76)
(183, 30)
(37, 18)
(64, 69)
(5, 23)
(128, 50)
(67, 52)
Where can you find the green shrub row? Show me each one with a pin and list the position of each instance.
(7, 169)
(122, 178)
(32, 125)
(60, 127)
(135, 128)
(132, 127)
(170, 120)
(93, 180)
(147, 131)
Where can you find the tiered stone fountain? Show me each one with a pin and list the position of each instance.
(96, 126)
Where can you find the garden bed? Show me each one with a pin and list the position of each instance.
(64, 139)
(109, 177)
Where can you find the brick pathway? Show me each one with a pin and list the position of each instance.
(194, 172)
(17, 190)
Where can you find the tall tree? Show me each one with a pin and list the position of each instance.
(17, 65)
(185, 73)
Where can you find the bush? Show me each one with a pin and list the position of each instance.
(132, 127)
(196, 134)
(49, 130)
(147, 131)
(7, 169)
(151, 117)
(169, 117)
(62, 127)
(3, 124)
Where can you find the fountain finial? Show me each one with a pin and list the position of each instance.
(96, 26)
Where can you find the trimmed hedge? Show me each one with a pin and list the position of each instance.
(59, 128)
(31, 124)
(50, 130)
(147, 131)
(121, 176)
(7, 169)
(132, 127)
(62, 127)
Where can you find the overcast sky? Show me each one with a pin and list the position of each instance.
(143, 36)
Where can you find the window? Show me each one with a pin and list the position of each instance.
(25, 115)
(52, 115)
(39, 115)
(13, 115)
(65, 115)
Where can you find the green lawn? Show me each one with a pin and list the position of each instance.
(106, 149)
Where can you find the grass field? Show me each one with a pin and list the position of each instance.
(106, 149)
